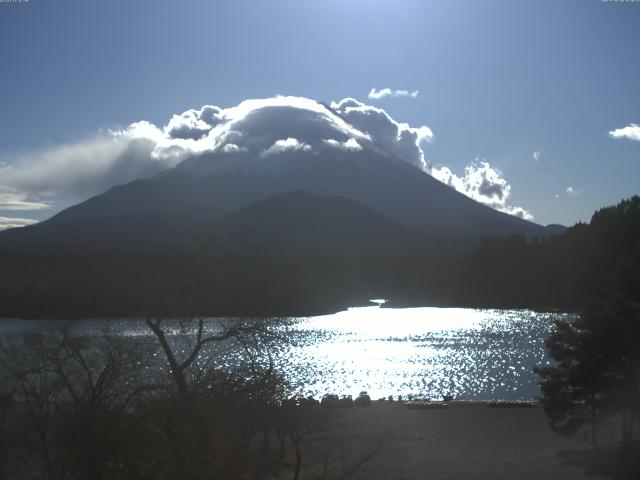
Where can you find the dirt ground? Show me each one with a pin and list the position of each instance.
(464, 441)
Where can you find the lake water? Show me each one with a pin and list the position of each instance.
(472, 354)
(427, 351)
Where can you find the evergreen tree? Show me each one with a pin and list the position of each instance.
(597, 370)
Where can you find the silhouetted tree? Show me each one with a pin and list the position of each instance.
(242, 331)
(626, 277)
(67, 404)
(597, 371)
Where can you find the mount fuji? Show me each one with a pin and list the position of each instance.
(283, 206)
(267, 148)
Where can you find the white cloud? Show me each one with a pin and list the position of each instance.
(10, 199)
(14, 222)
(537, 156)
(397, 138)
(194, 124)
(387, 92)
(87, 167)
(284, 145)
(484, 184)
(630, 132)
(571, 191)
(8, 203)
(233, 148)
(349, 145)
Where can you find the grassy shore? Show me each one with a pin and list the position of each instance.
(464, 441)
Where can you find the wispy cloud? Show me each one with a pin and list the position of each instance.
(14, 222)
(537, 156)
(571, 191)
(630, 132)
(8, 203)
(10, 199)
(387, 92)
(85, 168)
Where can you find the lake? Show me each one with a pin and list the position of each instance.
(469, 353)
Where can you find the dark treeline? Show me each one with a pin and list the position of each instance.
(562, 271)
(109, 285)
(559, 272)
(592, 387)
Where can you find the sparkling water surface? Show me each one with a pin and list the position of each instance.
(471, 354)
(426, 351)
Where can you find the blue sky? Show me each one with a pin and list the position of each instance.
(498, 80)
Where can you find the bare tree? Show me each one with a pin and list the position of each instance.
(70, 402)
(239, 330)
(102, 407)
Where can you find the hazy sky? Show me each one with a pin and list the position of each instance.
(533, 89)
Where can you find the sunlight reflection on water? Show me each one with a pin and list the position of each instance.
(427, 351)
(473, 354)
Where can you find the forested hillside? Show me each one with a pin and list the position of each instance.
(562, 271)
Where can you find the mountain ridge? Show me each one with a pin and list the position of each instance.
(395, 189)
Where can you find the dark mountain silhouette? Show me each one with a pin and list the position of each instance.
(291, 223)
(205, 188)
(301, 233)
(297, 223)
(275, 258)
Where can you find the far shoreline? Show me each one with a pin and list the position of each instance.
(388, 304)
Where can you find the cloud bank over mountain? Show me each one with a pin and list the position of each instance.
(265, 130)
(398, 138)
